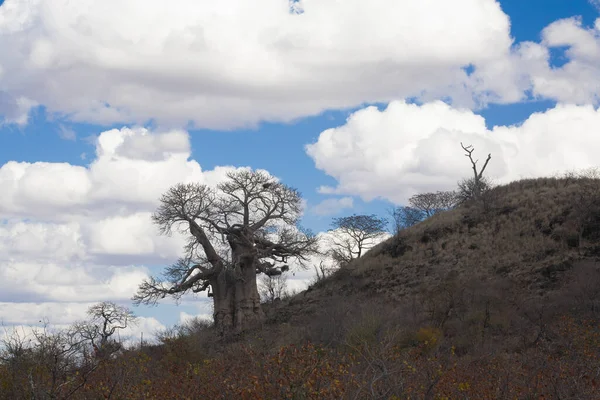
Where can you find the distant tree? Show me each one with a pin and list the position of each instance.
(106, 319)
(586, 203)
(272, 287)
(473, 188)
(404, 217)
(433, 203)
(322, 271)
(246, 226)
(352, 236)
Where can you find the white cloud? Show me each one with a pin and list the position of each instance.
(39, 313)
(133, 234)
(75, 235)
(578, 80)
(13, 110)
(234, 64)
(332, 206)
(48, 241)
(63, 316)
(66, 133)
(132, 168)
(144, 328)
(185, 318)
(299, 278)
(29, 280)
(407, 149)
(72, 235)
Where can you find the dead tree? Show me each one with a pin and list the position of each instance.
(478, 184)
(245, 226)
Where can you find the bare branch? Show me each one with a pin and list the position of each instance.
(478, 181)
(433, 203)
(355, 231)
(246, 226)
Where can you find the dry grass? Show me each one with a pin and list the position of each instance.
(500, 300)
(489, 277)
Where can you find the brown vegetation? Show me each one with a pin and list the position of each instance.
(492, 300)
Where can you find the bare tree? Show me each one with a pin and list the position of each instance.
(272, 287)
(352, 236)
(404, 217)
(106, 319)
(433, 203)
(50, 364)
(322, 271)
(473, 188)
(245, 226)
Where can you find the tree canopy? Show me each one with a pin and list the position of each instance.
(352, 235)
(245, 226)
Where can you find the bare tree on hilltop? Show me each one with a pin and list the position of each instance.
(244, 227)
(473, 188)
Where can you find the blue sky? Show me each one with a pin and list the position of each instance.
(279, 148)
(260, 103)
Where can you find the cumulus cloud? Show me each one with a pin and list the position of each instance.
(407, 148)
(132, 168)
(13, 110)
(74, 235)
(40, 313)
(232, 65)
(28, 280)
(144, 328)
(66, 133)
(332, 206)
(301, 275)
(185, 318)
(578, 80)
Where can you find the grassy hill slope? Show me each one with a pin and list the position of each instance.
(498, 299)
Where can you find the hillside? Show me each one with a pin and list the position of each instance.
(495, 299)
(532, 239)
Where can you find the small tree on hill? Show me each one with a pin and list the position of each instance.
(353, 235)
(244, 227)
(272, 288)
(473, 188)
(433, 203)
(404, 217)
(106, 319)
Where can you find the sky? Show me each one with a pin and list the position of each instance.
(359, 105)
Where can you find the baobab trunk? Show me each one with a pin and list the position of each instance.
(247, 309)
(236, 300)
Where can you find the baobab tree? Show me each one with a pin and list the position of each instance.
(245, 226)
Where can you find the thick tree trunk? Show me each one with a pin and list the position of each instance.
(247, 309)
(236, 300)
(223, 295)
